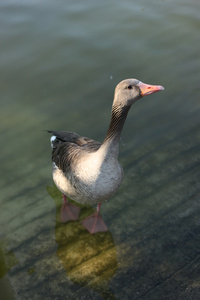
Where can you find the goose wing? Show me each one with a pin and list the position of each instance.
(68, 147)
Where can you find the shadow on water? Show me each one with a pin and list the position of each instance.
(89, 260)
(7, 261)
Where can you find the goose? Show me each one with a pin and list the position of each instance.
(87, 171)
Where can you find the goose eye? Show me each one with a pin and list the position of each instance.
(130, 87)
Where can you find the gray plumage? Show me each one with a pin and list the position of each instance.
(88, 171)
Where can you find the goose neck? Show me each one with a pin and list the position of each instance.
(118, 118)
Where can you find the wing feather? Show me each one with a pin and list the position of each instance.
(68, 147)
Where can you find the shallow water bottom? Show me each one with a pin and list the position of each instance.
(59, 64)
(151, 250)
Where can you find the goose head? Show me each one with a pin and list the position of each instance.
(130, 90)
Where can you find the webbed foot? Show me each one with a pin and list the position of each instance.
(95, 223)
(69, 211)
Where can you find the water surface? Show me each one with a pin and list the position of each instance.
(60, 62)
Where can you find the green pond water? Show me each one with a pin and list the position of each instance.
(59, 64)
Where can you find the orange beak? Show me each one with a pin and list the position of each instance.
(148, 89)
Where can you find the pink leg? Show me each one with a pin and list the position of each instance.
(98, 207)
(64, 198)
(95, 223)
(69, 211)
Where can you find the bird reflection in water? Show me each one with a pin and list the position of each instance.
(89, 260)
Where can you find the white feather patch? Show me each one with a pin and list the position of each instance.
(52, 139)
